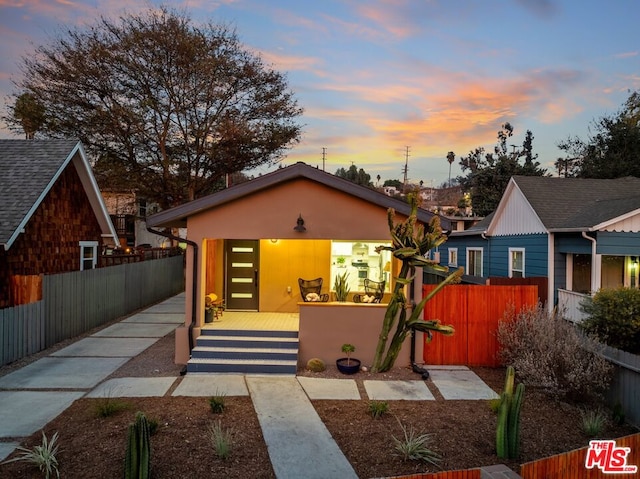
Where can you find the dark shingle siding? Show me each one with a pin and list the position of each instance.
(26, 168)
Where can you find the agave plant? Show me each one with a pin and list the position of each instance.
(410, 244)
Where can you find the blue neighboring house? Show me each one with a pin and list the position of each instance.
(582, 234)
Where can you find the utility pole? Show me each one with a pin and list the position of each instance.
(324, 152)
(405, 170)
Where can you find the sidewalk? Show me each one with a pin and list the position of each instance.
(37, 393)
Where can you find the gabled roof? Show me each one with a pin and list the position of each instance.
(578, 204)
(177, 217)
(28, 170)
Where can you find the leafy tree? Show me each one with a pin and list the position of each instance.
(164, 105)
(613, 151)
(489, 173)
(28, 113)
(397, 184)
(355, 175)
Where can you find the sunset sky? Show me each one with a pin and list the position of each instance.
(377, 76)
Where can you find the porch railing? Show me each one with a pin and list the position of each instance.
(569, 305)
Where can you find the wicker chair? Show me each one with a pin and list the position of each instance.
(373, 289)
(310, 290)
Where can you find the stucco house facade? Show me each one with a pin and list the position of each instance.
(582, 234)
(52, 216)
(251, 243)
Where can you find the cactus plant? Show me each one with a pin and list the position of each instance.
(411, 242)
(508, 426)
(138, 455)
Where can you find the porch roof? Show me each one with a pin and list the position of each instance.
(177, 217)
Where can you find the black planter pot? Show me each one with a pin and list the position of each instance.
(351, 368)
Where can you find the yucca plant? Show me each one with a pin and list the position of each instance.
(415, 447)
(42, 455)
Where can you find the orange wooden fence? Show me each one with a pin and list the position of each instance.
(464, 474)
(25, 289)
(474, 311)
(571, 465)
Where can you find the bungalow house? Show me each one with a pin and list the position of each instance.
(249, 244)
(582, 234)
(52, 216)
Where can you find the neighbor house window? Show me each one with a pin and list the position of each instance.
(474, 261)
(88, 255)
(453, 256)
(516, 262)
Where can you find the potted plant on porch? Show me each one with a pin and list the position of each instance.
(348, 365)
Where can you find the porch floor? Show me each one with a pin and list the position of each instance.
(254, 320)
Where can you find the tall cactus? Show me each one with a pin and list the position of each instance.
(508, 426)
(410, 244)
(138, 455)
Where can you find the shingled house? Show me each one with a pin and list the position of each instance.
(52, 216)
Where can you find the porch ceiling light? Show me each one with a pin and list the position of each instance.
(299, 227)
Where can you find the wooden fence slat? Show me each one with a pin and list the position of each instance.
(474, 311)
(78, 301)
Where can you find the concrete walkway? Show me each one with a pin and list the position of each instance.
(299, 444)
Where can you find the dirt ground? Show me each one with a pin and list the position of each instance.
(463, 432)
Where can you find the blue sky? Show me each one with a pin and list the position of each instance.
(377, 76)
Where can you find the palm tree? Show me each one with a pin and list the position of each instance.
(451, 156)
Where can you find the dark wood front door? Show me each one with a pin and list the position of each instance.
(242, 260)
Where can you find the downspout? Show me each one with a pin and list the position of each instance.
(593, 260)
(194, 245)
(412, 357)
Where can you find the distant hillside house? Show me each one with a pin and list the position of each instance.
(52, 216)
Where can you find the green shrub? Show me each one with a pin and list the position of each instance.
(593, 422)
(43, 456)
(614, 318)
(108, 406)
(217, 402)
(220, 440)
(377, 409)
(548, 353)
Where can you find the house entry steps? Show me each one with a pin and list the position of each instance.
(245, 352)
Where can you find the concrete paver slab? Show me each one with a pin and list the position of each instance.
(132, 387)
(134, 330)
(319, 388)
(144, 317)
(299, 443)
(167, 307)
(398, 391)
(61, 373)
(195, 384)
(461, 384)
(7, 448)
(107, 347)
(24, 412)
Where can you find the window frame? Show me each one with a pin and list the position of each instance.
(511, 269)
(452, 259)
(475, 249)
(84, 246)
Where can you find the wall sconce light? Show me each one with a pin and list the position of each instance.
(634, 262)
(300, 228)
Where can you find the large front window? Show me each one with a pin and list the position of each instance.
(474, 261)
(359, 260)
